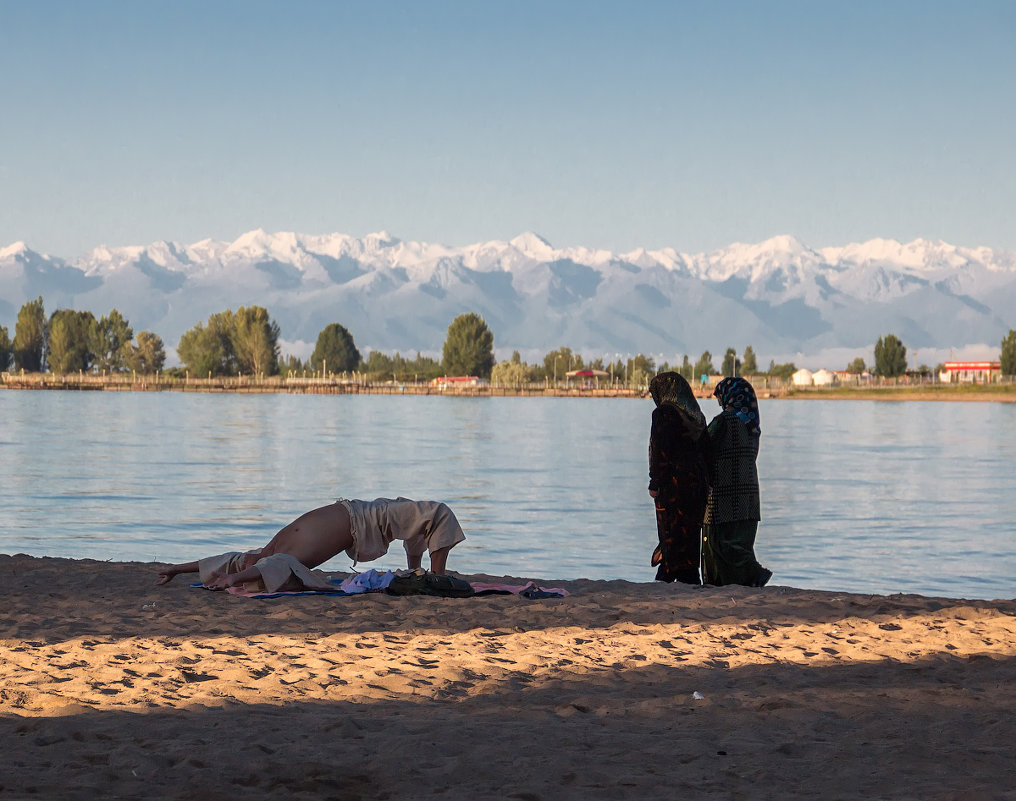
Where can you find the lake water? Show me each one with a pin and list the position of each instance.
(862, 496)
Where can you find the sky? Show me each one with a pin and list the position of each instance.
(613, 125)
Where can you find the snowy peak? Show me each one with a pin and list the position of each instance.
(533, 245)
(15, 250)
(779, 295)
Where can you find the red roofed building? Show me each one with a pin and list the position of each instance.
(970, 372)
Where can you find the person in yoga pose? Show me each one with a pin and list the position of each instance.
(363, 529)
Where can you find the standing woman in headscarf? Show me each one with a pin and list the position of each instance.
(731, 523)
(678, 478)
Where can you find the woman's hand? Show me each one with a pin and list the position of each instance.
(220, 581)
(165, 576)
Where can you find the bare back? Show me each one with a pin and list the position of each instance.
(315, 536)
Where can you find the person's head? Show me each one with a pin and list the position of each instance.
(670, 387)
(738, 396)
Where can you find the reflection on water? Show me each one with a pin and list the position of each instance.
(856, 495)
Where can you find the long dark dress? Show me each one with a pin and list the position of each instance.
(679, 474)
(731, 522)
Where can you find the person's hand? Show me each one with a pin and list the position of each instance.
(219, 581)
(165, 576)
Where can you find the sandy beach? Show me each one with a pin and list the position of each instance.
(113, 687)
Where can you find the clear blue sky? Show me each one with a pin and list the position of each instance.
(614, 125)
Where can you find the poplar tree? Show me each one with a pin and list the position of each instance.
(30, 333)
(71, 334)
(890, 356)
(255, 339)
(1009, 353)
(704, 366)
(111, 343)
(469, 347)
(149, 354)
(731, 365)
(749, 365)
(6, 349)
(335, 350)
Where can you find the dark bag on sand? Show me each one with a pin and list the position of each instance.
(430, 584)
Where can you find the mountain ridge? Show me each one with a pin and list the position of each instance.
(781, 296)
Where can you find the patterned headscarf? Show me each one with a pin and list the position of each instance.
(673, 389)
(738, 396)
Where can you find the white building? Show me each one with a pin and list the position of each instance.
(803, 378)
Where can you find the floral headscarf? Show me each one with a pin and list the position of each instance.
(672, 388)
(738, 396)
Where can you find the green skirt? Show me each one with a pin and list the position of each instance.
(728, 554)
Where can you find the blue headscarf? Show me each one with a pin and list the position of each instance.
(738, 396)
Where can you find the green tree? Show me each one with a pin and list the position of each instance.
(731, 365)
(784, 371)
(335, 350)
(640, 370)
(6, 349)
(255, 340)
(686, 370)
(749, 365)
(704, 366)
(208, 349)
(857, 366)
(469, 347)
(378, 365)
(111, 343)
(510, 374)
(558, 362)
(30, 336)
(890, 356)
(148, 355)
(1009, 353)
(71, 334)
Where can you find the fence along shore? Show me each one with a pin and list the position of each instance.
(1003, 389)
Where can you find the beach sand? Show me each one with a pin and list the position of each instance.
(113, 687)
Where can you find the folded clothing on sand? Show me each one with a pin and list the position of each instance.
(280, 572)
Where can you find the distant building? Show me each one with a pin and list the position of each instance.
(825, 378)
(453, 381)
(970, 372)
(803, 378)
(847, 377)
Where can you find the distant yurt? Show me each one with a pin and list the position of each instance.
(802, 378)
(825, 378)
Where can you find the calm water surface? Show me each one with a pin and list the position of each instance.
(859, 496)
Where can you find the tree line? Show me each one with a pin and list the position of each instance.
(247, 342)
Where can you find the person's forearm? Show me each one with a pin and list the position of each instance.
(249, 574)
(186, 567)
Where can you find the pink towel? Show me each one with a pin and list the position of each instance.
(514, 589)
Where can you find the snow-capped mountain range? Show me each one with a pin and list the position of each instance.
(785, 299)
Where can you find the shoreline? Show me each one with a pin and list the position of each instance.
(112, 686)
(249, 385)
